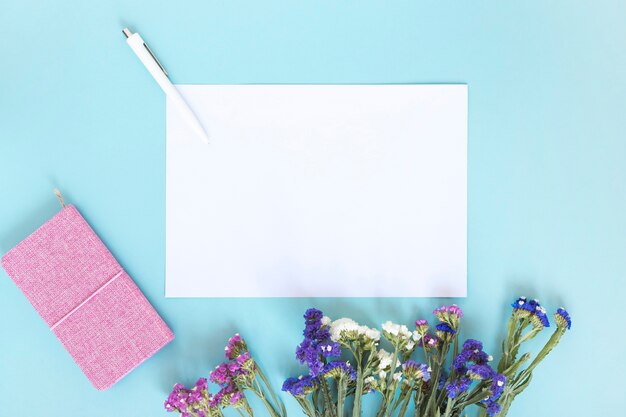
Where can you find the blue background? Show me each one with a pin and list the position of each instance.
(546, 172)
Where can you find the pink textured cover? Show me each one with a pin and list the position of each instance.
(92, 306)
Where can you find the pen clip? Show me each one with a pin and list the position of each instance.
(155, 59)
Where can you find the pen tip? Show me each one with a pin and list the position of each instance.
(127, 32)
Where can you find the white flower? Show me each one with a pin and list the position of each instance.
(326, 321)
(372, 334)
(397, 376)
(385, 359)
(391, 328)
(369, 380)
(382, 374)
(339, 326)
(398, 330)
(410, 345)
(416, 336)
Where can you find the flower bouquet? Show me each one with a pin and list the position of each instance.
(239, 374)
(426, 372)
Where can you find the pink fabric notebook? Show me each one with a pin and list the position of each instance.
(92, 306)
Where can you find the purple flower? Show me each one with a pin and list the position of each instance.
(237, 399)
(493, 408)
(235, 347)
(421, 326)
(221, 374)
(414, 370)
(188, 401)
(471, 353)
(339, 369)
(521, 304)
(480, 372)
(497, 386)
(450, 315)
(313, 315)
(540, 318)
(453, 309)
(472, 344)
(301, 386)
(562, 319)
(459, 362)
(444, 311)
(445, 332)
(216, 400)
(429, 341)
(458, 386)
(523, 308)
(243, 358)
(445, 327)
(316, 345)
(201, 384)
(177, 400)
(234, 368)
(329, 349)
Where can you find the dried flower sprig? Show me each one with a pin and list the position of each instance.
(449, 377)
(240, 373)
(427, 370)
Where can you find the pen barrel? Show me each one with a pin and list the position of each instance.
(140, 49)
(138, 46)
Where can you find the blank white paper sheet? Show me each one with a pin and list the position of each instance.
(318, 191)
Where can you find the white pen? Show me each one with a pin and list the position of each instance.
(157, 71)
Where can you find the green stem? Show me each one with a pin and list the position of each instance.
(432, 401)
(554, 340)
(449, 407)
(385, 403)
(418, 401)
(277, 402)
(306, 406)
(329, 407)
(406, 401)
(358, 392)
(341, 394)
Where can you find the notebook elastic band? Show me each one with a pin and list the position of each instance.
(86, 300)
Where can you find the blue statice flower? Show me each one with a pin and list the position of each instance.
(540, 318)
(472, 344)
(444, 331)
(497, 386)
(471, 353)
(415, 371)
(523, 308)
(522, 304)
(459, 362)
(562, 319)
(480, 372)
(301, 386)
(329, 349)
(317, 343)
(458, 386)
(493, 407)
(338, 369)
(444, 327)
